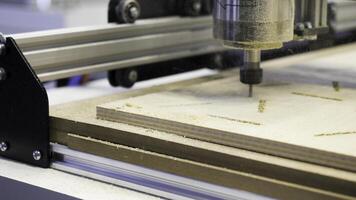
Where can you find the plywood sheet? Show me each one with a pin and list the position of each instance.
(312, 123)
(204, 172)
(311, 68)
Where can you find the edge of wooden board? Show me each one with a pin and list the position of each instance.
(266, 146)
(203, 172)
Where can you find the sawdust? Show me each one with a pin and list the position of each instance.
(262, 106)
(336, 86)
(132, 106)
(128, 105)
(149, 131)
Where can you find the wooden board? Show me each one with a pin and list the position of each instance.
(80, 118)
(203, 172)
(307, 122)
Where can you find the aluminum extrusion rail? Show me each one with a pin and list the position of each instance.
(139, 178)
(342, 15)
(67, 52)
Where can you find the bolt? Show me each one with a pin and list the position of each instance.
(133, 76)
(2, 74)
(3, 146)
(308, 25)
(37, 155)
(300, 26)
(134, 12)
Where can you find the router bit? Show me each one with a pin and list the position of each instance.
(250, 90)
(251, 73)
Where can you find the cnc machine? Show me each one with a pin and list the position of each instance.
(146, 39)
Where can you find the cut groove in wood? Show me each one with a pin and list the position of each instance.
(232, 119)
(316, 96)
(336, 133)
(236, 120)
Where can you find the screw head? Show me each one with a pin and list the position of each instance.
(300, 26)
(134, 12)
(308, 25)
(133, 76)
(3, 146)
(128, 11)
(37, 155)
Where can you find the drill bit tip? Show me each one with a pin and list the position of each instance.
(250, 91)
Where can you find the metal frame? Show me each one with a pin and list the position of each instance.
(139, 178)
(311, 18)
(342, 15)
(24, 110)
(158, 8)
(64, 53)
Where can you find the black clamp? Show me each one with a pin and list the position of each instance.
(24, 109)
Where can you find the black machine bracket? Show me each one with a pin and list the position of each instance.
(128, 11)
(24, 109)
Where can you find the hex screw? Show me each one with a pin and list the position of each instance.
(3, 146)
(37, 155)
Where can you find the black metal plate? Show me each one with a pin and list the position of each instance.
(159, 8)
(24, 109)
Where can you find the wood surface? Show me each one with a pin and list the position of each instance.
(80, 118)
(308, 122)
(203, 172)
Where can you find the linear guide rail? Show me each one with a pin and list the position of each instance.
(68, 52)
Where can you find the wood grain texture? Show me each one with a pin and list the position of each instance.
(203, 172)
(80, 118)
(311, 122)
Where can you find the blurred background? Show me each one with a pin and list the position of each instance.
(21, 16)
(18, 16)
